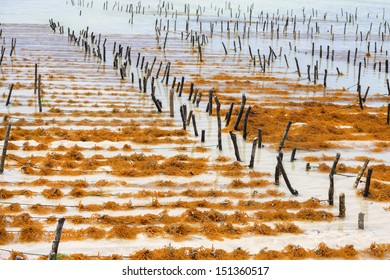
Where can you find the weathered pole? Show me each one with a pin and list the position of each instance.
(56, 242)
(331, 177)
(5, 147)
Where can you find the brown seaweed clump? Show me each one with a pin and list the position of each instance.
(53, 193)
(123, 232)
(5, 237)
(31, 234)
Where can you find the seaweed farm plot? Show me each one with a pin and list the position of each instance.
(174, 131)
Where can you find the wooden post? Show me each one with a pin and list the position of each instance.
(331, 177)
(224, 47)
(259, 138)
(342, 205)
(234, 140)
(293, 191)
(360, 174)
(157, 103)
(246, 122)
(203, 137)
(191, 91)
(194, 125)
(388, 86)
(285, 59)
(56, 242)
(35, 78)
(325, 76)
(359, 74)
(361, 221)
(368, 181)
(145, 83)
(181, 86)
(240, 112)
(5, 147)
(296, 62)
(2, 54)
(171, 103)
(281, 145)
(253, 153)
(365, 95)
(183, 116)
(211, 92)
(277, 169)
(219, 123)
(39, 93)
(388, 113)
(294, 150)
(229, 114)
(9, 95)
(167, 75)
(189, 117)
(360, 97)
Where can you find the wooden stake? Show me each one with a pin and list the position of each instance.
(194, 125)
(259, 138)
(234, 140)
(191, 91)
(359, 73)
(360, 97)
(253, 153)
(36, 78)
(294, 150)
(189, 117)
(2, 54)
(243, 101)
(56, 242)
(325, 76)
(183, 116)
(296, 62)
(181, 86)
(219, 123)
(388, 113)
(203, 137)
(331, 177)
(342, 205)
(281, 145)
(9, 95)
(368, 181)
(171, 103)
(5, 147)
(210, 110)
(156, 103)
(225, 48)
(360, 174)
(293, 191)
(229, 114)
(39, 94)
(361, 221)
(244, 135)
(277, 169)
